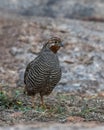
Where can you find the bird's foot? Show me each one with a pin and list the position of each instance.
(43, 106)
(32, 102)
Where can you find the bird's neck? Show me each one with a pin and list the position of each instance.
(54, 49)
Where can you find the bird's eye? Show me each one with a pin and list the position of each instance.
(56, 42)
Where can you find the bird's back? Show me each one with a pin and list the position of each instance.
(43, 73)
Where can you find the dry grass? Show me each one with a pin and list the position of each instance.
(15, 107)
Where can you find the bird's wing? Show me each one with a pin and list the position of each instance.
(29, 66)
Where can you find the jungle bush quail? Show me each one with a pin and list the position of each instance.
(44, 72)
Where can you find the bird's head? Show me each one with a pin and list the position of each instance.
(54, 44)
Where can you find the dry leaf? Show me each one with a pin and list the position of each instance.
(16, 114)
(75, 119)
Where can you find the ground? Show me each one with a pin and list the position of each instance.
(79, 97)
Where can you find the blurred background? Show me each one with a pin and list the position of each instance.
(77, 9)
(24, 26)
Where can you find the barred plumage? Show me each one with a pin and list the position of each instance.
(44, 72)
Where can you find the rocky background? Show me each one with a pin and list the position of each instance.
(78, 9)
(26, 24)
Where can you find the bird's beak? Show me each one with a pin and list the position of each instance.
(61, 44)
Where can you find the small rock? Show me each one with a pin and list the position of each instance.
(101, 94)
(2, 70)
(22, 38)
(15, 51)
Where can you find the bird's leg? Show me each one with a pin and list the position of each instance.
(42, 101)
(32, 101)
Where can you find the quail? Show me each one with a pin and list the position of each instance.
(44, 72)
